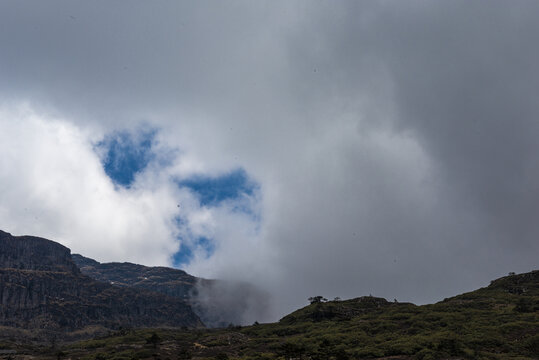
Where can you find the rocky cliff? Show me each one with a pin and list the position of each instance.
(218, 303)
(34, 253)
(42, 288)
(172, 282)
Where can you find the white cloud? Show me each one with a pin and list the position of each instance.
(395, 146)
(53, 185)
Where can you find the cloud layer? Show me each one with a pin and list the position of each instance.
(392, 144)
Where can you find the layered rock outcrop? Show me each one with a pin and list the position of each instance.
(34, 253)
(218, 303)
(42, 288)
(168, 281)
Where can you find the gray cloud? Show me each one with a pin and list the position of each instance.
(394, 143)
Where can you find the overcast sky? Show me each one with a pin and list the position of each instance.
(327, 148)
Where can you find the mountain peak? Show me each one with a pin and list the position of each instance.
(42, 289)
(34, 253)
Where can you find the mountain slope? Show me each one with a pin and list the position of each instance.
(172, 282)
(41, 288)
(218, 303)
(500, 321)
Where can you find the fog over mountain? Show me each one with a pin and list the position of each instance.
(330, 148)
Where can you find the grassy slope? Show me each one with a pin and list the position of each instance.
(497, 322)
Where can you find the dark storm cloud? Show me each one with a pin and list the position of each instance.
(134, 55)
(466, 81)
(460, 78)
(470, 95)
(394, 142)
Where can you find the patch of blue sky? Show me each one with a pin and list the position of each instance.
(213, 190)
(186, 253)
(235, 188)
(125, 154)
(183, 256)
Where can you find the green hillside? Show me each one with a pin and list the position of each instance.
(500, 321)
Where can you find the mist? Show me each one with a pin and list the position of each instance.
(226, 303)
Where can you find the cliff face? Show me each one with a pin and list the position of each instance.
(42, 288)
(172, 282)
(218, 303)
(33, 253)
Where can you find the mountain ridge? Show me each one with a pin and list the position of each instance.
(218, 303)
(41, 288)
(173, 282)
(497, 322)
(34, 253)
(42, 299)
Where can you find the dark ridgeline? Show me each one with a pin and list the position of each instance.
(168, 281)
(41, 288)
(34, 253)
(218, 303)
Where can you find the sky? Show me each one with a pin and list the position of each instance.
(333, 148)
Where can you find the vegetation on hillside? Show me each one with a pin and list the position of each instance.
(500, 321)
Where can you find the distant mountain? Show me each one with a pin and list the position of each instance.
(172, 282)
(43, 294)
(500, 321)
(42, 289)
(218, 303)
